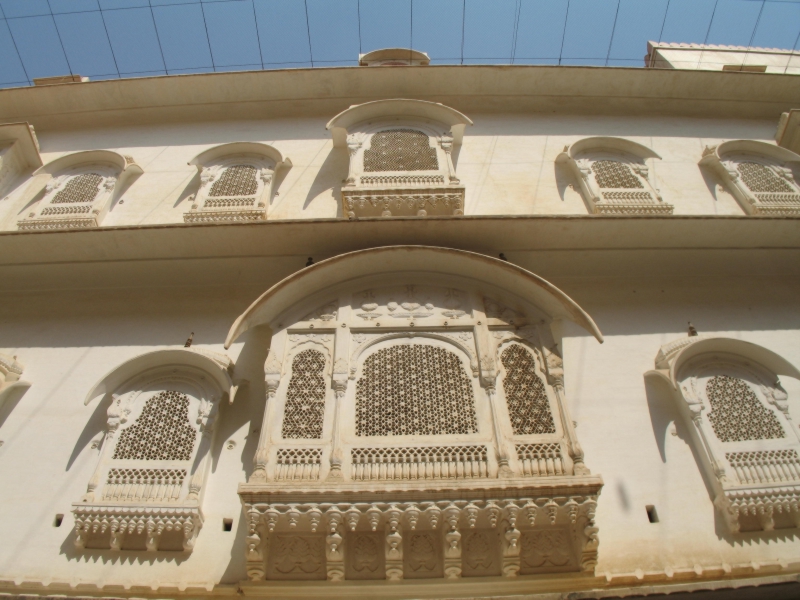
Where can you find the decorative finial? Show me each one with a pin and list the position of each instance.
(503, 257)
(309, 262)
(692, 330)
(189, 341)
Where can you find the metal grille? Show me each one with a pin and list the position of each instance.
(162, 431)
(760, 178)
(238, 180)
(528, 406)
(736, 414)
(613, 174)
(79, 189)
(305, 400)
(414, 390)
(400, 150)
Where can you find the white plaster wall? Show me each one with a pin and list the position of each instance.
(68, 341)
(507, 163)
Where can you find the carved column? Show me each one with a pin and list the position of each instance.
(452, 550)
(394, 545)
(255, 544)
(511, 543)
(334, 550)
(446, 142)
(340, 379)
(488, 377)
(555, 376)
(272, 379)
(206, 416)
(354, 142)
(117, 414)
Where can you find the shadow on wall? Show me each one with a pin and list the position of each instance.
(662, 412)
(330, 176)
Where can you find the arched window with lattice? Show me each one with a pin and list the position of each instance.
(74, 199)
(758, 175)
(737, 415)
(153, 463)
(236, 182)
(304, 412)
(614, 176)
(526, 395)
(414, 389)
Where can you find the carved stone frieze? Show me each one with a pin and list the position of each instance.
(424, 539)
(411, 302)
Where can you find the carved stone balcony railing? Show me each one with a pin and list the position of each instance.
(153, 527)
(402, 195)
(415, 463)
(420, 529)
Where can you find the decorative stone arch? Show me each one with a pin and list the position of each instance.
(736, 411)
(78, 189)
(394, 57)
(443, 312)
(759, 175)
(146, 492)
(614, 176)
(19, 154)
(404, 176)
(237, 182)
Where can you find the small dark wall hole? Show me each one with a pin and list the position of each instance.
(652, 515)
(58, 520)
(227, 524)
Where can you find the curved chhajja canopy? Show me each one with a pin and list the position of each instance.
(403, 261)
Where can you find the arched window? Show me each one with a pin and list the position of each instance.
(412, 389)
(738, 416)
(146, 492)
(305, 398)
(528, 405)
(758, 175)
(401, 158)
(400, 150)
(614, 176)
(236, 182)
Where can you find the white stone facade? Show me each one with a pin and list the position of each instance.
(437, 349)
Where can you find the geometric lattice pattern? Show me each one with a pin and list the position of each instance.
(305, 399)
(737, 415)
(759, 178)
(412, 389)
(162, 431)
(79, 189)
(615, 175)
(400, 150)
(238, 180)
(526, 396)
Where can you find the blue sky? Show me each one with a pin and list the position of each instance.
(106, 39)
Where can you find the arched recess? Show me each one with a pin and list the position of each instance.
(431, 260)
(79, 189)
(415, 335)
(737, 414)
(761, 176)
(401, 158)
(237, 182)
(615, 176)
(147, 489)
